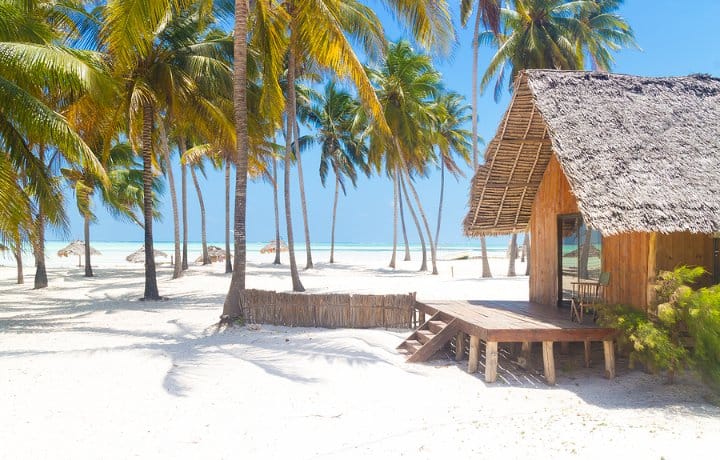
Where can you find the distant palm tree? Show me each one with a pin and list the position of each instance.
(335, 117)
(450, 115)
(406, 84)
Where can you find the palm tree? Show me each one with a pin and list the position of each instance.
(37, 72)
(335, 116)
(555, 34)
(450, 115)
(406, 84)
(154, 47)
(487, 11)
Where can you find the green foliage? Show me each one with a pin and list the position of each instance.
(682, 330)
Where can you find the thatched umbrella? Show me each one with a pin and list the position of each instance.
(139, 255)
(270, 247)
(215, 253)
(77, 248)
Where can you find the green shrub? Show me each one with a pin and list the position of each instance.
(681, 330)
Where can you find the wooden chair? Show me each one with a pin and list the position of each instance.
(587, 294)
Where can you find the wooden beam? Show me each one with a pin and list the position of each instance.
(587, 353)
(549, 362)
(459, 346)
(474, 357)
(491, 361)
(609, 350)
(525, 355)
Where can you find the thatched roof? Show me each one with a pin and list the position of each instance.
(215, 253)
(270, 247)
(139, 255)
(76, 248)
(640, 154)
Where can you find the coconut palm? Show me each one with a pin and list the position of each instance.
(335, 117)
(487, 11)
(555, 34)
(159, 53)
(406, 84)
(450, 115)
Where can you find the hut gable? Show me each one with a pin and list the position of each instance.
(640, 154)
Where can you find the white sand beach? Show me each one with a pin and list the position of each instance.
(88, 371)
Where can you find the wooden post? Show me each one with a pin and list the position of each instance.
(609, 349)
(525, 354)
(459, 346)
(421, 317)
(474, 354)
(549, 362)
(587, 353)
(491, 361)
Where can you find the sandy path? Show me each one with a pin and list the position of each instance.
(89, 372)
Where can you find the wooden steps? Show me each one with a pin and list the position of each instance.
(431, 336)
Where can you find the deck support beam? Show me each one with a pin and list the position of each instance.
(549, 362)
(609, 350)
(525, 354)
(459, 346)
(474, 355)
(587, 353)
(491, 361)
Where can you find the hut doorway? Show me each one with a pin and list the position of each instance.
(579, 255)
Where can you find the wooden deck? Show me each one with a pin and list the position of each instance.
(518, 322)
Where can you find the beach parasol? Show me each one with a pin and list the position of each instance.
(215, 253)
(77, 248)
(139, 255)
(270, 247)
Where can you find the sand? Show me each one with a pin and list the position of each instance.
(90, 372)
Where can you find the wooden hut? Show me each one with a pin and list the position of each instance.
(609, 173)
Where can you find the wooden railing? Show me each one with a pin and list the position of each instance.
(328, 310)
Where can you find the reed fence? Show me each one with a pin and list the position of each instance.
(328, 310)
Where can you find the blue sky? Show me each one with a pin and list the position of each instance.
(677, 38)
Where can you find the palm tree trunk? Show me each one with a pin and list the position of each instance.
(395, 219)
(17, 252)
(151, 288)
(232, 309)
(303, 200)
(177, 268)
(421, 211)
(526, 243)
(41, 280)
(404, 229)
(512, 255)
(440, 204)
(183, 194)
(88, 266)
(290, 116)
(228, 262)
(423, 264)
(277, 212)
(486, 273)
(475, 46)
(334, 214)
(203, 233)
(475, 155)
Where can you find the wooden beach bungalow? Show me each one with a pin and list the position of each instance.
(609, 174)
